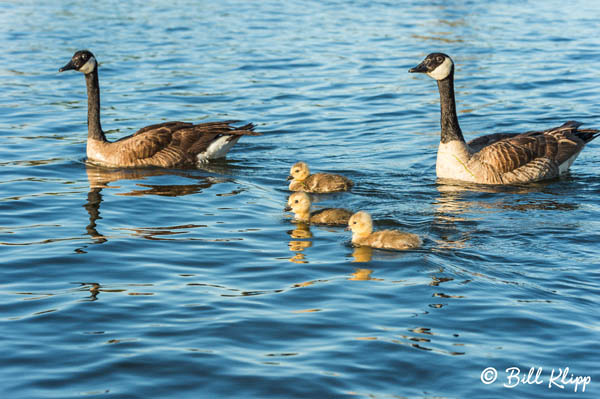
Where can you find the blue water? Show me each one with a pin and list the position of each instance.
(196, 284)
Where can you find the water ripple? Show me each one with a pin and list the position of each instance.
(192, 283)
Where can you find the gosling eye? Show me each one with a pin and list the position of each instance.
(296, 201)
(297, 170)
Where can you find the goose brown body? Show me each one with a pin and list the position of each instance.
(168, 144)
(500, 158)
(302, 180)
(361, 225)
(300, 203)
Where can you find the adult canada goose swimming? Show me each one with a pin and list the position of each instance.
(299, 203)
(501, 158)
(361, 225)
(302, 180)
(169, 144)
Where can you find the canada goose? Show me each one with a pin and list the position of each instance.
(169, 144)
(299, 203)
(361, 225)
(302, 180)
(501, 158)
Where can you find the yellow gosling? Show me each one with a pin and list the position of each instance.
(361, 225)
(299, 203)
(302, 180)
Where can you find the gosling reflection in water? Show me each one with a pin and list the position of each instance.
(301, 232)
(362, 254)
(300, 203)
(363, 275)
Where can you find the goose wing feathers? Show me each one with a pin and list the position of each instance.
(173, 144)
(537, 155)
(483, 141)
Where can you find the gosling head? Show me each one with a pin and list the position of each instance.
(436, 65)
(360, 224)
(298, 202)
(82, 61)
(299, 171)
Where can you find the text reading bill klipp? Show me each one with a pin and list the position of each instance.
(555, 379)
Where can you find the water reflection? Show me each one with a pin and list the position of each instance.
(363, 275)
(100, 178)
(96, 288)
(92, 206)
(419, 338)
(459, 206)
(300, 241)
(362, 254)
(451, 192)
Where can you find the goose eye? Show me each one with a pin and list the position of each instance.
(440, 59)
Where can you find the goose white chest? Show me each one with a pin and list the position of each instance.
(452, 161)
(96, 152)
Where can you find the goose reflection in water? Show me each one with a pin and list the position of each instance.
(457, 203)
(100, 178)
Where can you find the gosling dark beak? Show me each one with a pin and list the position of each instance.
(290, 177)
(421, 68)
(347, 228)
(287, 208)
(67, 67)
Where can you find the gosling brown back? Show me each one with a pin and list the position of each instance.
(302, 180)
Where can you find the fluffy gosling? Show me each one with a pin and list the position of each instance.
(299, 203)
(302, 180)
(361, 225)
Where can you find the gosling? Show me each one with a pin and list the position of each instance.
(302, 180)
(299, 203)
(361, 225)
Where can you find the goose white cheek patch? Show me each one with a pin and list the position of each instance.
(88, 66)
(442, 71)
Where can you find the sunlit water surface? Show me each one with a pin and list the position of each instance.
(196, 283)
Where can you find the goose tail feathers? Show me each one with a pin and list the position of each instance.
(586, 135)
(247, 130)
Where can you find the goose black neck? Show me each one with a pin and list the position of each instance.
(449, 120)
(93, 94)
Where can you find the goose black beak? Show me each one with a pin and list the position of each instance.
(290, 177)
(287, 208)
(421, 68)
(67, 67)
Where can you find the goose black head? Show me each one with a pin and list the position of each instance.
(82, 61)
(436, 65)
